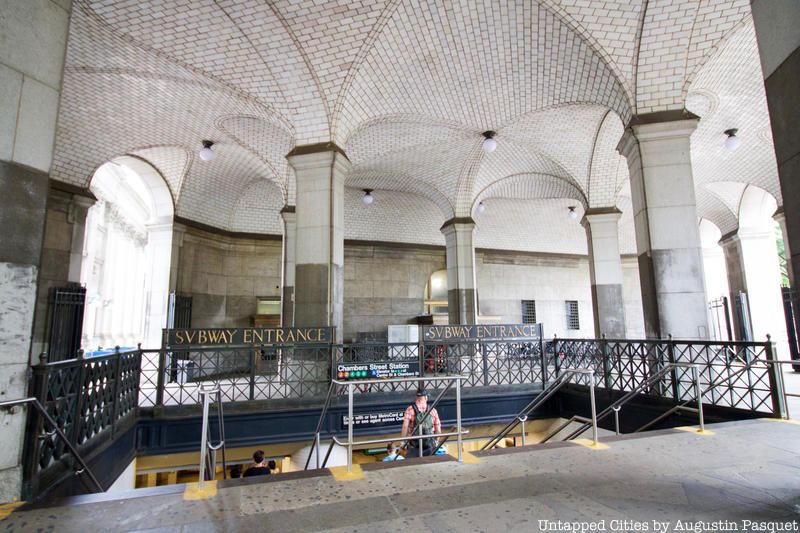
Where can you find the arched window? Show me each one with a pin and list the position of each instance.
(436, 293)
(126, 257)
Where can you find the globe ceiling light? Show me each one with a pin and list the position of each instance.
(481, 207)
(206, 153)
(367, 198)
(489, 142)
(572, 213)
(732, 142)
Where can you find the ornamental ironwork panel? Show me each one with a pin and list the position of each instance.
(66, 322)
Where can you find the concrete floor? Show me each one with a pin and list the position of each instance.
(743, 471)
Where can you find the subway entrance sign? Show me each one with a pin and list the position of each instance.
(377, 370)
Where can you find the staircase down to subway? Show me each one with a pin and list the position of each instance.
(188, 413)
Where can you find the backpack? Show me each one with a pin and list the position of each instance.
(425, 427)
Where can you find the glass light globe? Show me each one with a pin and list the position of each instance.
(481, 207)
(572, 214)
(206, 154)
(368, 198)
(732, 143)
(489, 145)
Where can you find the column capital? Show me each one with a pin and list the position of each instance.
(600, 214)
(311, 156)
(649, 131)
(288, 214)
(458, 223)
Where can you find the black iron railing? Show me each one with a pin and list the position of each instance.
(741, 375)
(89, 399)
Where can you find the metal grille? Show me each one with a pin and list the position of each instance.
(528, 311)
(731, 374)
(86, 398)
(242, 373)
(66, 322)
(573, 321)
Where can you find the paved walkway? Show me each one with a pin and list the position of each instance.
(743, 471)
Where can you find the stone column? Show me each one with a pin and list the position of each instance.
(289, 217)
(78, 210)
(780, 218)
(462, 305)
(605, 269)
(665, 217)
(159, 261)
(320, 171)
(752, 265)
(31, 67)
(777, 24)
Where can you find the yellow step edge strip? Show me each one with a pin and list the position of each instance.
(589, 443)
(340, 473)
(194, 492)
(695, 429)
(793, 422)
(466, 457)
(8, 508)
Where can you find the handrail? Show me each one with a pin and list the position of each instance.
(57, 430)
(350, 384)
(545, 395)
(205, 437)
(315, 441)
(667, 367)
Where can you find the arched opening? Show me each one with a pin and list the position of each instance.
(126, 257)
(436, 296)
(716, 277)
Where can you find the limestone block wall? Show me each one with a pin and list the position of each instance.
(506, 278)
(384, 284)
(632, 295)
(225, 274)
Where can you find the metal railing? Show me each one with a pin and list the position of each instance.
(90, 399)
(56, 431)
(617, 405)
(621, 364)
(350, 443)
(553, 387)
(208, 451)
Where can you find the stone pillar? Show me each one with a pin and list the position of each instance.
(605, 269)
(752, 265)
(734, 265)
(462, 305)
(780, 218)
(289, 217)
(667, 238)
(777, 24)
(320, 171)
(78, 210)
(31, 66)
(159, 261)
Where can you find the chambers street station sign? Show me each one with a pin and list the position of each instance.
(245, 336)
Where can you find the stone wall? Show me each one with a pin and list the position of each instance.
(224, 275)
(506, 278)
(384, 284)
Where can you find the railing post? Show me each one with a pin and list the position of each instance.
(542, 354)
(138, 378)
(458, 419)
(350, 427)
(674, 371)
(556, 356)
(592, 377)
(33, 430)
(253, 362)
(607, 382)
(115, 407)
(77, 416)
(698, 392)
(779, 408)
(160, 378)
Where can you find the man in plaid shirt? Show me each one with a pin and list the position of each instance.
(429, 424)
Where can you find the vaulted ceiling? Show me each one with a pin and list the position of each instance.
(405, 87)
